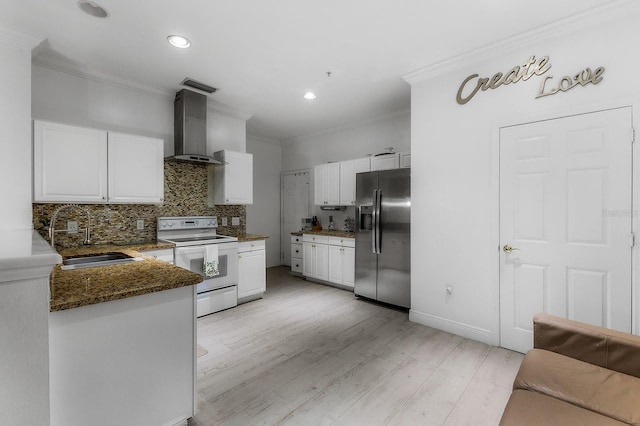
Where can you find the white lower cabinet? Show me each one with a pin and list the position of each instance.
(315, 255)
(342, 257)
(124, 362)
(330, 259)
(252, 279)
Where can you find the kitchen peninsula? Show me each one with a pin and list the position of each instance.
(122, 341)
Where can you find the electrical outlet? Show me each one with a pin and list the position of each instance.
(224, 221)
(235, 221)
(72, 227)
(140, 224)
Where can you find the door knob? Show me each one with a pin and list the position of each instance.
(508, 249)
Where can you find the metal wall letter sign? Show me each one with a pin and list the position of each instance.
(523, 73)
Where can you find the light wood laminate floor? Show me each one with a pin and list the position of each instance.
(310, 354)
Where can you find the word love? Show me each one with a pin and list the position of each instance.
(567, 83)
(514, 75)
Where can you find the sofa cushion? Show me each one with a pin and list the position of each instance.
(526, 408)
(600, 346)
(598, 389)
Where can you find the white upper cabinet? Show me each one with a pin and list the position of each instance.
(69, 164)
(348, 171)
(405, 159)
(385, 161)
(79, 165)
(233, 182)
(136, 169)
(327, 184)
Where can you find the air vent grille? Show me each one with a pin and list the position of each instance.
(197, 85)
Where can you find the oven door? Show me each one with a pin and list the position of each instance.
(192, 259)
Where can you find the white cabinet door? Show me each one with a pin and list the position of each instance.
(308, 259)
(342, 257)
(335, 264)
(315, 260)
(385, 162)
(348, 171)
(322, 261)
(136, 169)
(69, 163)
(234, 180)
(251, 273)
(348, 266)
(327, 184)
(405, 159)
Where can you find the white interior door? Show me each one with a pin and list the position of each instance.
(295, 206)
(566, 210)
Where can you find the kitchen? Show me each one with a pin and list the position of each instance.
(463, 182)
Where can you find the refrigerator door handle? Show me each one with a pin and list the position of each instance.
(374, 223)
(378, 221)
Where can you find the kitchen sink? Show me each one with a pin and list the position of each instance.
(94, 260)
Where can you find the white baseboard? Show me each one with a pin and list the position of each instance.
(454, 327)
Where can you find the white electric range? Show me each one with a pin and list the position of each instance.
(191, 234)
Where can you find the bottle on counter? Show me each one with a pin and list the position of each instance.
(331, 223)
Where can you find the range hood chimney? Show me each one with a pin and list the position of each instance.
(190, 127)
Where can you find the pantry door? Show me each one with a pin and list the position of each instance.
(565, 223)
(295, 206)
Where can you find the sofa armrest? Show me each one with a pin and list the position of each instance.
(600, 346)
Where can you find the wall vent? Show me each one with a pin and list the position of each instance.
(197, 85)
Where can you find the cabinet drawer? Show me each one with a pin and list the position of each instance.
(296, 265)
(342, 241)
(250, 245)
(296, 250)
(318, 239)
(296, 239)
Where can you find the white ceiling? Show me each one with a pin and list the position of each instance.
(264, 55)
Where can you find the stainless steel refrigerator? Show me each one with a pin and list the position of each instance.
(383, 236)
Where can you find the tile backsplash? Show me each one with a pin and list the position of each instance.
(185, 194)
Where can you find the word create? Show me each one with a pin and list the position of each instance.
(567, 83)
(514, 75)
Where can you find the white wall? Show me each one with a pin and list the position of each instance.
(346, 143)
(263, 216)
(15, 137)
(24, 352)
(454, 160)
(85, 101)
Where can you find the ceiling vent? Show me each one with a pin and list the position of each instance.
(189, 82)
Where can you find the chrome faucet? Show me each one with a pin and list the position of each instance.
(52, 223)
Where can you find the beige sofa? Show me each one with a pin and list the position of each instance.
(577, 374)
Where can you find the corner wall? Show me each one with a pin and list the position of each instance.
(263, 216)
(454, 164)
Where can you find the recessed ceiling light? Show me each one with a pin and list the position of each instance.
(93, 9)
(179, 41)
(310, 95)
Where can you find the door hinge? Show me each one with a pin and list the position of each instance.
(633, 135)
(632, 239)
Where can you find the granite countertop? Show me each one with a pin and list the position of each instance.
(251, 237)
(329, 233)
(82, 287)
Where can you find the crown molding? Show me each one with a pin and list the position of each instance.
(18, 40)
(554, 30)
(61, 64)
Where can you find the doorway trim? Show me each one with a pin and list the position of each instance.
(287, 241)
(550, 114)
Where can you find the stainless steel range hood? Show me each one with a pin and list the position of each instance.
(190, 128)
